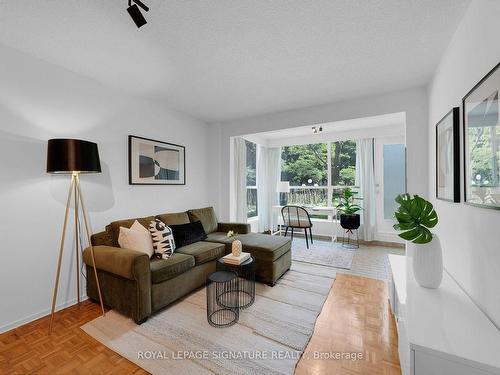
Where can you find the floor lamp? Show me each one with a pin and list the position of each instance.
(73, 157)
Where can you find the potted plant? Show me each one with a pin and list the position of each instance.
(349, 217)
(236, 244)
(415, 216)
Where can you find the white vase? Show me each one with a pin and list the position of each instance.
(428, 263)
(236, 248)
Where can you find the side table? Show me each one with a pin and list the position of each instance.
(246, 280)
(222, 300)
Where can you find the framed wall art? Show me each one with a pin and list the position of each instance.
(482, 142)
(448, 157)
(154, 162)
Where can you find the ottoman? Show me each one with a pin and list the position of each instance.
(272, 254)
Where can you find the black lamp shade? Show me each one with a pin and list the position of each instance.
(72, 155)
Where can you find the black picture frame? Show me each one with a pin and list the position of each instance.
(452, 116)
(488, 79)
(151, 180)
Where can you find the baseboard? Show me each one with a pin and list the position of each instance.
(396, 245)
(38, 315)
(321, 237)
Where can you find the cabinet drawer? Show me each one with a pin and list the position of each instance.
(428, 364)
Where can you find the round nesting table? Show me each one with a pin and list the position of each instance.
(222, 299)
(246, 281)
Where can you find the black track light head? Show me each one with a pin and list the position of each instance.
(135, 12)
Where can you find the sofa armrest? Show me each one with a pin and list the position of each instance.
(130, 264)
(240, 228)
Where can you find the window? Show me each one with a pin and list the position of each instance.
(317, 171)
(305, 167)
(251, 179)
(394, 177)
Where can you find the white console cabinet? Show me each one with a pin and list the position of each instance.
(441, 331)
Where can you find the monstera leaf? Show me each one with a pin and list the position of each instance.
(415, 216)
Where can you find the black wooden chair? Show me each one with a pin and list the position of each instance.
(296, 217)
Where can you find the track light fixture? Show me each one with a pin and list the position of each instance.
(135, 12)
(317, 130)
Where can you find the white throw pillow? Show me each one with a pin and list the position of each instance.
(136, 238)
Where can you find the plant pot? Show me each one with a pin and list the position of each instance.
(427, 263)
(350, 221)
(236, 248)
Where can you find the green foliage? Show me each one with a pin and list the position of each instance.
(485, 156)
(347, 176)
(304, 162)
(251, 163)
(415, 216)
(252, 203)
(346, 203)
(251, 178)
(343, 163)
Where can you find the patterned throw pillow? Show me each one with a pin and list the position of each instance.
(163, 239)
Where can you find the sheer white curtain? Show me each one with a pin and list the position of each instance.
(365, 179)
(262, 187)
(273, 176)
(240, 179)
(268, 175)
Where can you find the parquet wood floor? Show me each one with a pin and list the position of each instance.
(68, 350)
(355, 318)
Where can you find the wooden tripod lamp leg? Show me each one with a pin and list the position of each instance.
(77, 247)
(87, 230)
(61, 248)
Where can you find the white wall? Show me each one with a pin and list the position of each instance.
(412, 102)
(39, 101)
(470, 236)
(379, 132)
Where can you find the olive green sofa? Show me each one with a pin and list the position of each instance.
(137, 286)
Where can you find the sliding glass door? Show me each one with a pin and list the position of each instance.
(390, 181)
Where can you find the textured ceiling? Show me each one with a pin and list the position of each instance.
(225, 59)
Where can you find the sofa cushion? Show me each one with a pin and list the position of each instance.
(175, 218)
(203, 251)
(221, 237)
(166, 269)
(114, 227)
(206, 216)
(263, 247)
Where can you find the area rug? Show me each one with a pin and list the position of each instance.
(330, 254)
(268, 339)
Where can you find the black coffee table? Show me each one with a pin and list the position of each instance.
(246, 281)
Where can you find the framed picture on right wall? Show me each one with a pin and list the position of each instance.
(448, 157)
(482, 142)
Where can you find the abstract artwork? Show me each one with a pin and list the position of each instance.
(448, 157)
(155, 163)
(482, 142)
